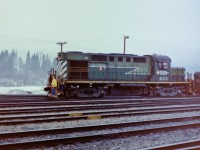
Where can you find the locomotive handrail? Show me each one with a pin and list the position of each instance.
(78, 69)
(127, 82)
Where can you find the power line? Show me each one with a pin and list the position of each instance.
(95, 40)
(161, 45)
(27, 39)
(34, 40)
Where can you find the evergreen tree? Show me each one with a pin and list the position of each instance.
(13, 63)
(5, 64)
(27, 72)
(35, 65)
(43, 63)
(28, 64)
(54, 63)
(21, 67)
(48, 63)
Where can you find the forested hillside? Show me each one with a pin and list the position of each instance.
(18, 71)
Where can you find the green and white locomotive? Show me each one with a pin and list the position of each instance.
(100, 74)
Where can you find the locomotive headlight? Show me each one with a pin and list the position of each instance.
(158, 72)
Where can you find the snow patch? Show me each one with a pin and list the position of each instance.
(24, 90)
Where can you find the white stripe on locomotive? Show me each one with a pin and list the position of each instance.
(62, 68)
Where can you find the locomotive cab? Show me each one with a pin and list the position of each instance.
(161, 68)
(169, 81)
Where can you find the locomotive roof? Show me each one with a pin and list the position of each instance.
(112, 54)
(161, 58)
(79, 52)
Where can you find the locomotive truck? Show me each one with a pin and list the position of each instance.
(99, 74)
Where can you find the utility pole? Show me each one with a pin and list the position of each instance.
(125, 37)
(61, 45)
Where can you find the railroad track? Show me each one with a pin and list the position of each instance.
(43, 101)
(40, 110)
(187, 145)
(77, 107)
(99, 127)
(14, 120)
(85, 137)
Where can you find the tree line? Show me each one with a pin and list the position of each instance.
(34, 67)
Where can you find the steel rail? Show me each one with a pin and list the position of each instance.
(24, 98)
(41, 119)
(72, 108)
(36, 98)
(186, 145)
(29, 103)
(60, 103)
(76, 108)
(64, 109)
(87, 138)
(95, 127)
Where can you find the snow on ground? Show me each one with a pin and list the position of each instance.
(24, 90)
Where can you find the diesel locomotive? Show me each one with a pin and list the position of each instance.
(100, 74)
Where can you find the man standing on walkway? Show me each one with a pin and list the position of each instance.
(54, 86)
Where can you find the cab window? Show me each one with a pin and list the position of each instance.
(163, 65)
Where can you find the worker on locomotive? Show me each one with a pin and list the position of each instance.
(61, 86)
(54, 85)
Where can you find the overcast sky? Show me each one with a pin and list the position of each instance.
(167, 27)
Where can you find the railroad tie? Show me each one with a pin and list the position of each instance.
(94, 117)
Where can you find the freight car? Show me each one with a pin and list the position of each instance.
(99, 74)
(196, 82)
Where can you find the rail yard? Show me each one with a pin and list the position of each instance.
(87, 75)
(39, 122)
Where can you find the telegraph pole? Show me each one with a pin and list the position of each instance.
(61, 45)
